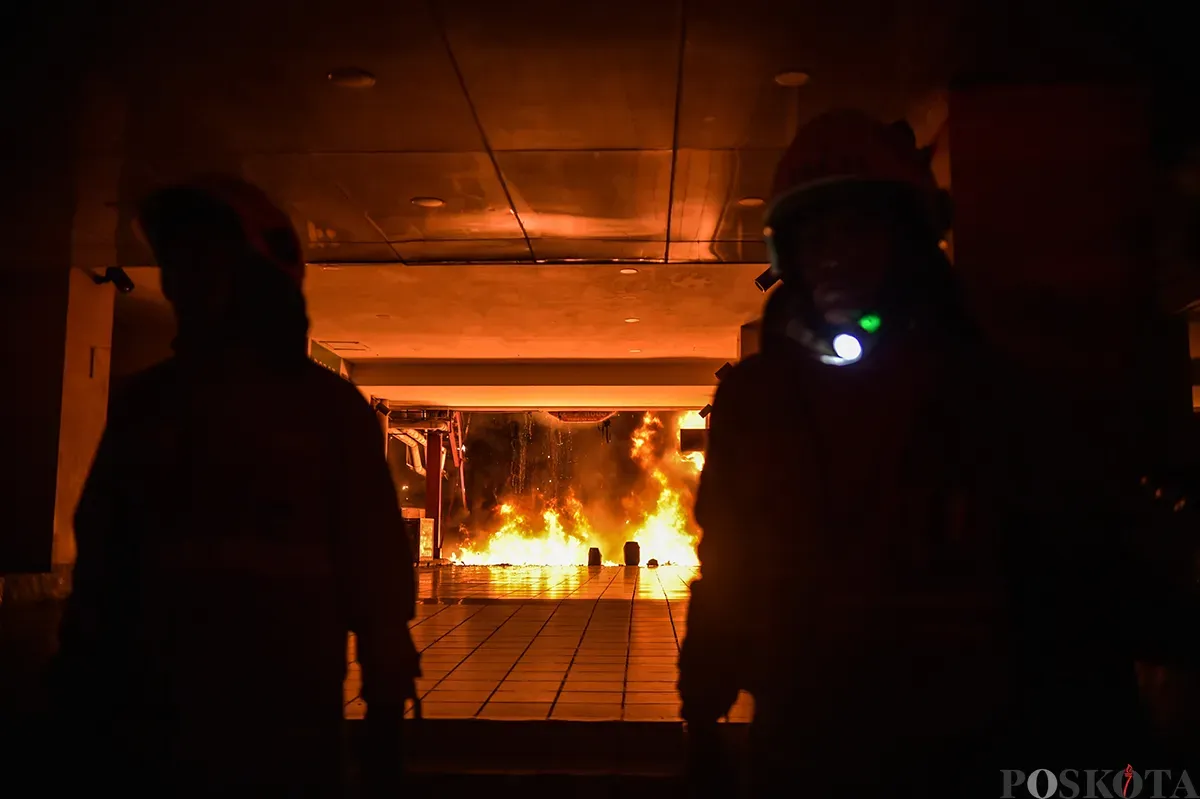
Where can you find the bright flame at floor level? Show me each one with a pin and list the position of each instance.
(564, 536)
(520, 542)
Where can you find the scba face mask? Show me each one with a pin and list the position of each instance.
(838, 345)
(839, 263)
(848, 340)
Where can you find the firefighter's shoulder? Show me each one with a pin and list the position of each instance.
(336, 392)
(751, 373)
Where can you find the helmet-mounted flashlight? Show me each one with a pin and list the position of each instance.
(843, 345)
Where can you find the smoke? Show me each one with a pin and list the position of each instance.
(534, 462)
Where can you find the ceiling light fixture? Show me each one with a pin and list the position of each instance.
(792, 78)
(751, 202)
(632, 320)
(428, 202)
(351, 78)
(635, 350)
(629, 271)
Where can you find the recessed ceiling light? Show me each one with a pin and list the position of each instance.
(751, 202)
(351, 78)
(428, 202)
(791, 78)
(632, 320)
(635, 350)
(628, 271)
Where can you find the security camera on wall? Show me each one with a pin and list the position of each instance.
(120, 279)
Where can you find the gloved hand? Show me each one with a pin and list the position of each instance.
(708, 679)
(710, 665)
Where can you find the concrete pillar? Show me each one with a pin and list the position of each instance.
(1053, 206)
(1194, 352)
(61, 323)
(1051, 196)
(1053, 217)
(65, 388)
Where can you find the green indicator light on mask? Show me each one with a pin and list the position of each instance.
(870, 323)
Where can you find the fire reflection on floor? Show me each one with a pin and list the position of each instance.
(566, 643)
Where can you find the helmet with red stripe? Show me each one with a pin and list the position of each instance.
(226, 219)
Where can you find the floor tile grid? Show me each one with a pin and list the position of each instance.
(649, 699)
(355, 707)
(470, 582)
(643, 621)
(353, 688)
(446, 701)
(585, 697)
(743, 709)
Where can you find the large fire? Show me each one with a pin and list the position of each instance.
(562, 536)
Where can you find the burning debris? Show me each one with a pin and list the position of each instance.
(540, 530)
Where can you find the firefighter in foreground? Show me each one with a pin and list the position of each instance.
(846, 580)
(239, 519)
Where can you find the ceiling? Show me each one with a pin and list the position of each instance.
(564, 141)
(553, 132)
(504, 337)
(621, 131)
(465, 313)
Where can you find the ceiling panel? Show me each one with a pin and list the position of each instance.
(729, 252)
(351, 252)
(550, 75)
(721, 194)
(871, 54)
(736, 252)
(512, 311)
(329, 224)
(590, 195)
(463, 251)
(384, 186)
(259, 76)
(598, 250)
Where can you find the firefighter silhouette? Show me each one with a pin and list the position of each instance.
(847, 581)
(238, 521)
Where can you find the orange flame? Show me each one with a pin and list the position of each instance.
(562, 536)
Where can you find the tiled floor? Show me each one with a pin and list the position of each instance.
(568, 643)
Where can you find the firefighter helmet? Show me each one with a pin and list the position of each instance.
(847, 151)
(200, 207)
(845, 159)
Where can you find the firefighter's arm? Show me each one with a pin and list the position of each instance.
(720, 499)
(709, 655)
(374, 567)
